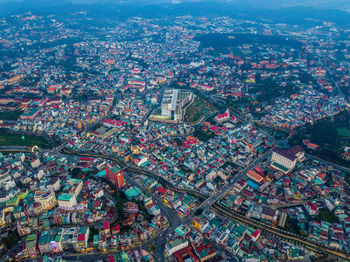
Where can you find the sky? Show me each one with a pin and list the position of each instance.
(254, 4)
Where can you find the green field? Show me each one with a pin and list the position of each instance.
(198, 108)
(326, 215)
(13, 115)
(9, 139)
(204, 135)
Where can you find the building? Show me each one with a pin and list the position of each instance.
(221, 118)
(74, 186)
(173, 246)
(240, 185)
(46, 199)
(204, 251)
(67, 200)
(173, 103)
(255, 176)
(115, 176)
(35, 163)
(49, 241)
(285, 160)
(200, 223)
(269, 214)
(30, 114)
(29, 247)
(169, 103)
(82, 239)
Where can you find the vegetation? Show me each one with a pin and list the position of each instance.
(204, 135)
(10, 139)
(197, 109)
(142, 209)
(326, 215)
(277, 134)
(121, 200)
(152, 247)
(347, 177)
(93, 232)
(329, 134)
(222, 41)
(12, 115)
(198, 212)
(268, 89)
(292, 225)
(76, 171)
(11, 240)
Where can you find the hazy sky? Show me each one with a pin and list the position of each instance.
(337, 4)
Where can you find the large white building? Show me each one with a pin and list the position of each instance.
(285, 160)
(173, 102)
(169, 102)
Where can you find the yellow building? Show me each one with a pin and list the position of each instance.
(46, 199)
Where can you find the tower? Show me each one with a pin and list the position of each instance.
(115, 176)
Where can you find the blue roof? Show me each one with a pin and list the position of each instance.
(102, 173)
(252, 184)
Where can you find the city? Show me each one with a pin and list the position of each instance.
(172, 132)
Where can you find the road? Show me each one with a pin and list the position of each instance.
(208, 202)
(287, 236)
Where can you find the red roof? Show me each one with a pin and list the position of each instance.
(161, 190)
(81, 237)
(256, 233)
(106, 225)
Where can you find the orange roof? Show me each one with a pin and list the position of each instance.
(255, 176)
(322, 176)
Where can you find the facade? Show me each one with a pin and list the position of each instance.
(200, 223)
(221, 118)
(173, 103)
(169, 103)
(47, 199)
(175, 246)
(284, 160)
(82, 239)
(30, 245)
(66, 200)
(115, 176)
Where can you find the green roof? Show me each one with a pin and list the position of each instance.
(283, 168)
(102, 173)
(65, 197)
(133, 192)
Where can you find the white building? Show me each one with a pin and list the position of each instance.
(175, 246)
(67, 200)
(169, 103)
(286, 160)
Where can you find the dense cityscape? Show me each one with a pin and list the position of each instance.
(173, 137)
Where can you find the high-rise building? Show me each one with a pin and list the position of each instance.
(116, 176)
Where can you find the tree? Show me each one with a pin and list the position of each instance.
(198, 212)
(76, 171)
(152, 247)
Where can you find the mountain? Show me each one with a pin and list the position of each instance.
(274, 11)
